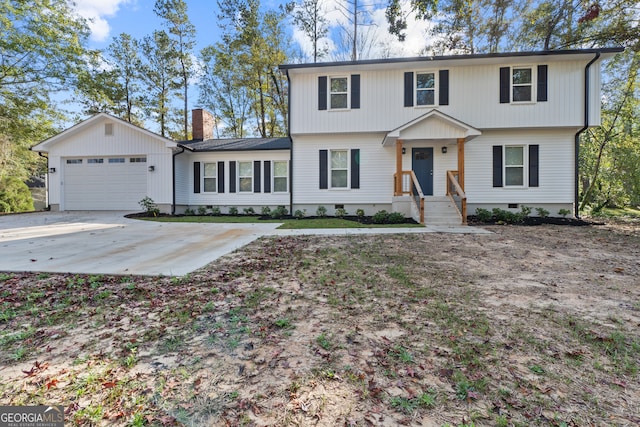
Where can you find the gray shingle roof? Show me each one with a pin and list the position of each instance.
(238, 144)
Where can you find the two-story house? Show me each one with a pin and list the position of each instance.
(432, 137)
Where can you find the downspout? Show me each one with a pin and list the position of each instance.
(46, 182)
(173, 205)
(577, 136)
(291, 142)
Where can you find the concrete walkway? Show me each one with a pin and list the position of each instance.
(109, 243)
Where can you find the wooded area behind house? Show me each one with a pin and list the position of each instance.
(44, 52)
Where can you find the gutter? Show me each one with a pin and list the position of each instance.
(173, 175)
(291, 141)
(577, 135)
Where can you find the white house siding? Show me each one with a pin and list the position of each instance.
(239, 200)
(377, 166)
(125, 142)
(183, 179)
(473, 97)
(556, 170)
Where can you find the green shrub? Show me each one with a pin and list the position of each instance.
(149, 206)
(395, 218)
(542, 212)
(15, 195)
(202, 210)
(525, 211)
(380, 217)
(321, 211)
(360, 213)
(215, 211)
(233, 210)
(265, 211)
(508, 217)
(249, 211)
(300, 214)
(341, 213)
(564, 212)
(279, 212)
(484, 215)
(189, 212)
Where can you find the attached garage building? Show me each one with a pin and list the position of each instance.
(105, 163)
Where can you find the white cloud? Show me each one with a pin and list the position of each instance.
(96, 12)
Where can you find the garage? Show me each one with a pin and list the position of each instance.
(105, 163)
(104, 183)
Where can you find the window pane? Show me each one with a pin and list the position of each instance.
(338, 160)
(116, 160)
(521, 76)
(339, 84)
(521, 93)
(339, 101)
(426, 81)
(246, 185)
(280, 184)
(246, 169)
(514, 156)
(210, 185)
(339, 178)
(425, 97)
(514, 176)
(280, 169)
(209, 169)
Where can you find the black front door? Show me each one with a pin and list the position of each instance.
(422, 165)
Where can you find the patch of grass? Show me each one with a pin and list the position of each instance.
(324, 341)
(283, 323)
(5, 276)
(425, 400)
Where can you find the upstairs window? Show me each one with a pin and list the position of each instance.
(425, 88)
(210, 177)
(339, 93)
(521, 84)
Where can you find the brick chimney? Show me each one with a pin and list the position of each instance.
(202, 123)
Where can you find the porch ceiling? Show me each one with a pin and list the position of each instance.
(432, 125)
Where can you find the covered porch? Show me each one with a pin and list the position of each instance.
(430, 168)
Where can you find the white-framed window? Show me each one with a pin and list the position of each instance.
(522, 84)
(138, 160)
(74, 161)
(108, 129)
(95, 161)
(210, 177)
(514, 161)
(280, 177)
(339, 93)
(426, 88)
(339, 168)
(116, 160)
(245, 177)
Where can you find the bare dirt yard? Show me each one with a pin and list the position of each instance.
(529, 326)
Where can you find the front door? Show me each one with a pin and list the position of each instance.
(422, 165)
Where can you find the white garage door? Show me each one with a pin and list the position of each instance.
(104, 183)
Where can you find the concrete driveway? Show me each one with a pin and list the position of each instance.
(109, 243)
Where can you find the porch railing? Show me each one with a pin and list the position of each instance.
(456, 194)
(411, 186)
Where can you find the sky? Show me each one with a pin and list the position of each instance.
(108, 18)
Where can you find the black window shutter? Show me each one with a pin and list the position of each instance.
(497, 165)
(542, 83)
(322, 93)
(505, 85)
(408, 89)
(355, 90)
(196, 177)
(220, 177)
(444, 87)
(232, 177)
(533, 165)
(267, 176)
(355, 168)
(324, 172)
(256, 176)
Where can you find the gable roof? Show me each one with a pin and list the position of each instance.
(96, 118)
(237, 144)
(481, 57)
(432, 125)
